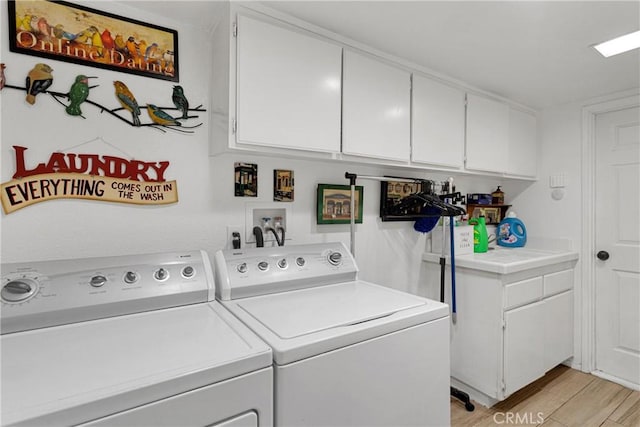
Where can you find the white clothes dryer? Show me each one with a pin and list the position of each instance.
(345, 352)
(129, 341)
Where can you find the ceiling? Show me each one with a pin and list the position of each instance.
(536, 53)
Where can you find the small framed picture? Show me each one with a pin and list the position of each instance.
(334, 204)
(391, 193)
(282, 185)
(492, 215)
(246, 179)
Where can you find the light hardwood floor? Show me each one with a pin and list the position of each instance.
(562, 398)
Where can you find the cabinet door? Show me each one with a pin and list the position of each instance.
(558, 320)
(523, 346)
(375, 105)
(288, 88)
(523, 144)
(437, 127)
(487, 134)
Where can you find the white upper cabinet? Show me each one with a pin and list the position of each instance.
(437, 125)
(288, 88)
(523, 144)
(487, 134)
(375, 108)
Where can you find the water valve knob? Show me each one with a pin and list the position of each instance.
(335, 258)
(161, 274)
(97, 281)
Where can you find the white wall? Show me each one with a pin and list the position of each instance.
(560, 148)
(387, 252)
(68, 228)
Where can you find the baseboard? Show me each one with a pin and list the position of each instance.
(625, 383)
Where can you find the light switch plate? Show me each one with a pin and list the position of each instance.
(558, 180)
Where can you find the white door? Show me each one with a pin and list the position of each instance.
(376, 99)
(617, 280)
(523, 346)
(487, 134)
(523, 144)
(288, 88)
(437, 126)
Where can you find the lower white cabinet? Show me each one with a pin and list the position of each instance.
(524, 355)
(558, 325)
(510, 329)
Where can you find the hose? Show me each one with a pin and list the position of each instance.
(273, 231)
(281, 229)
(257, 231)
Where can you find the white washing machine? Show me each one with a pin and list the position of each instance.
(345, 352)
(129, 341)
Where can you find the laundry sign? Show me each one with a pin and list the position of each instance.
(87, 176)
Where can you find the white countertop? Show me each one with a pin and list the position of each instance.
(503, 260)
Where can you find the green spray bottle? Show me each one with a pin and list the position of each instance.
(480, 235)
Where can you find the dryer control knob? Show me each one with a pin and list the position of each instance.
(161, 274)
(300, 261)
(335, 258)
(18, 290)
(188, 272)
(98, 281)
(130, 277)
(263, 265)
(242, 268)
(282, 263)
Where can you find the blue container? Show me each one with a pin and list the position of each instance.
(511, 232)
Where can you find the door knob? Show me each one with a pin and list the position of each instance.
(603, 255)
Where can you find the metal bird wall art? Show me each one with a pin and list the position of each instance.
(78, 93)
(180, 101)
(161, 117)
(40, 79)
(128, 101)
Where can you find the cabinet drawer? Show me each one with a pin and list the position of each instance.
(520, 293)
(555, 283)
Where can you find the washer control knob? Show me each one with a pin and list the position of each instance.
(263, 265)
(335, 258)
(300, 261)
(130, 277)
(18, 290)
(161, 274)
(283, 263)
(97, 281)
(188, 272)
(242, 268)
